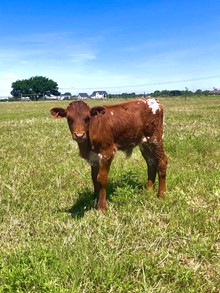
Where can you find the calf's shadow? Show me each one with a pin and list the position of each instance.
(87, 200)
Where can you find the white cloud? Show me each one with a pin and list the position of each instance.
(46, 48)
(82, 57)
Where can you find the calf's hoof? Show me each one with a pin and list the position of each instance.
(101, 208)
(160, 194)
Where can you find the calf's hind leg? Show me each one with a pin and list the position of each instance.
(156, 160)
(151, 165)
(161, 167)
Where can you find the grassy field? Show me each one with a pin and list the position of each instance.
(53, 240)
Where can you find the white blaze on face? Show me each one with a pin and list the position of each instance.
(153, 105)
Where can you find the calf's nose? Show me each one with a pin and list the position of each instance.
(79, 134)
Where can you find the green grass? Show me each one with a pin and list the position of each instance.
(53, 240)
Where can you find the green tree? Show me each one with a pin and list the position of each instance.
(67, 94)
(198, 92)
(175, 93)
(34, 87)
(164, 93)
(156, 93)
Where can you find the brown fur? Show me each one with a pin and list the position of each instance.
(101, 131)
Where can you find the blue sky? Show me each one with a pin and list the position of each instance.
(118, 46)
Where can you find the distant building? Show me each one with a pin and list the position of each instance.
(214, 92)
(65, 97)
(99, 95)
(25, 99)
(51, 97)
(83, 96)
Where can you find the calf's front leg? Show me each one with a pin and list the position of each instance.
(102, 179)
(94, 173)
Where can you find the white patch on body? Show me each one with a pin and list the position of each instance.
(153, 105)
(145, 139)
(143, 101)
(112, 113)
(106, 157)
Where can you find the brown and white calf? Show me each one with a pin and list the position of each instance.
(101, 131)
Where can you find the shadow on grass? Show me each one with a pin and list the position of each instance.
(87, 200)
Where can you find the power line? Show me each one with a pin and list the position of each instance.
(145, 84)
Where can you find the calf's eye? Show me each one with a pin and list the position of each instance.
(87, 119)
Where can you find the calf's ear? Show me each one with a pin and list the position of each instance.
(58, 112)
(97, 110)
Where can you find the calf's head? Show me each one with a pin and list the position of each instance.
(78, 117)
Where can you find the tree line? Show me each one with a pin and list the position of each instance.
(176, 93)
(163, 93)
(38, 87)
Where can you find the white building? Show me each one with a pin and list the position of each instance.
(82, 96)
(99, 95)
